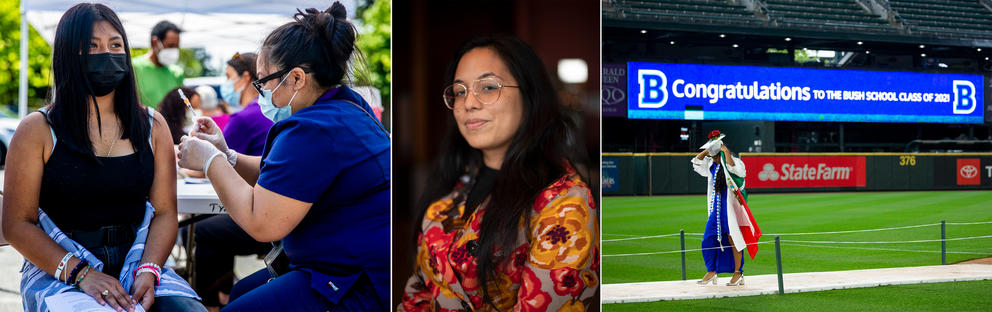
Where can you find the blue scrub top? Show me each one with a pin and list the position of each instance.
(334, 155)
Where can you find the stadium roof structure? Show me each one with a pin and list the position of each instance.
(966, 23)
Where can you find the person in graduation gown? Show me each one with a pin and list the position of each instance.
(723, 238)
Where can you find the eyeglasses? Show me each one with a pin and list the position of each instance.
(261, 81)
(486, 90)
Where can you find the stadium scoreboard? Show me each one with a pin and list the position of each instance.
(725, 92)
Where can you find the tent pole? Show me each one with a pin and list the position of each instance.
(22, 86)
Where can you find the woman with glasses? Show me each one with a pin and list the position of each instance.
(93, 209)
(321, 186)
(507, 221)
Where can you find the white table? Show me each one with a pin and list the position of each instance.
(198, 199)
(195, 199)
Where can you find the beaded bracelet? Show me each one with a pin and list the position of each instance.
(152, 267)
(152, 264)
(149, 269)
(81, 276)
(82, 263)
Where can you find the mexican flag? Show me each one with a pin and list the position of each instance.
(743, 228)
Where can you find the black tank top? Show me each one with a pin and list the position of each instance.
(79, 193)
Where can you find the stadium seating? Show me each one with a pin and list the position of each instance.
(956, 18)
(831, 14)
(719, 12)
(945, 17)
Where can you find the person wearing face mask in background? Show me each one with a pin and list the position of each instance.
(156, 72)
(212, 107)
(246, 129)
(323, 178)
(93, 211)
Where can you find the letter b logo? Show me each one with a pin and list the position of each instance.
(653, 93)
(964, 97)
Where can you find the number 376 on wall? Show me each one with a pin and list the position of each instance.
(907, 160)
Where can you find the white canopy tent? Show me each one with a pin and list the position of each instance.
(222, 27)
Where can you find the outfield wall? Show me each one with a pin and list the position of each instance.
(671, 173)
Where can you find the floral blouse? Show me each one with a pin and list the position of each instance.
(555, 266)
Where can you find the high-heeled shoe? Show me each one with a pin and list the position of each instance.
(707, 281)
(739, 282)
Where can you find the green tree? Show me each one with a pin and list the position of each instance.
(374, 42)
(39, 60)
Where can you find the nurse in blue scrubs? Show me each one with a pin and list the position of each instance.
(321, 186)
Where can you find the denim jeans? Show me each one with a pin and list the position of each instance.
(177, 303)
(110, 244)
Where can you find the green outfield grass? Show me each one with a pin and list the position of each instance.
(625, 217)
(967, 296)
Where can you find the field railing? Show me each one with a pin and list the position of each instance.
(816, 243)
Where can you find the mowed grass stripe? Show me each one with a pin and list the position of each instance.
(792, 213)
(956, 296)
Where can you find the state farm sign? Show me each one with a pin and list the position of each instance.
(805, 171)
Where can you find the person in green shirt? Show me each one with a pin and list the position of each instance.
(156, 72)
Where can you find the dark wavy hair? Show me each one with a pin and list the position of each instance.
(539, 152)
(173, 109)
(244, 62)
(70, 108)
(320, 41)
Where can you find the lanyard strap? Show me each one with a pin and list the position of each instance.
(377, 123)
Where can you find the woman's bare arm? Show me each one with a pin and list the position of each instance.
(163, 227)
(29, 150)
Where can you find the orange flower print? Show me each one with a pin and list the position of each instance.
(572, 306)
(475, 219)
(476, 300)
(592, 200)
(427, 264)
(464, 263)
(412, 302)
(514, 264)
(567, 282)
(562, 237)
(532, 298)
(590, 279)
(559, 188)
(595, 259)
(436, 242)
(435, 212)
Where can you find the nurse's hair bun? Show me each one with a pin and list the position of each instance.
(323, 23)
(321, 41)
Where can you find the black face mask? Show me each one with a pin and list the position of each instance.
(106, 71)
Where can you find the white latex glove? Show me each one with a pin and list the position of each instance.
(195, 153)
(205, 128)
(714, 149)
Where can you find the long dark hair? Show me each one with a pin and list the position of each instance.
(70, 109)
(173, 109)
(537, 156)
